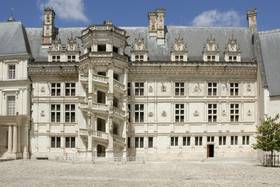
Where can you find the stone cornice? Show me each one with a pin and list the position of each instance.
(53, 71)
(196, 70)
(23, 56)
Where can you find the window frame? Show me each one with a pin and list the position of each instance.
(69, 113)
(139, 88)
(179, 88)
(179, 113)
(55, 113)
(234, 112)
(212, 110)
(11, 71)
(139, 113)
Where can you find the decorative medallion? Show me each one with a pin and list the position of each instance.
(42, 113)
(224, 113)
(43, 90)
(249, 88)
(163, 114)
(249, 113)
(151, 114)
(163, 88)
(196, 113)
(150, 89)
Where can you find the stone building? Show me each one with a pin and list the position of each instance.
(108, 92)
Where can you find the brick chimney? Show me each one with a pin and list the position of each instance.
(252, 19)
(49, 30)
(156, 25)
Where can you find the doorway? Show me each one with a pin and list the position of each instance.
(101, 151)
(210, 150)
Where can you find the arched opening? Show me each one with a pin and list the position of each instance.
(101, 151)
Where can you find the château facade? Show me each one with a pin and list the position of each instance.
(108, 92)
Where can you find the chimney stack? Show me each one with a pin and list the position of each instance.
(156, 25)
(252, 19)
(49, 30)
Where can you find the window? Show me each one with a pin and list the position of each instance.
(211, 58)
(128, 88)
(245, 140)
(222, 140)
(232, 58)
(128, 142)
(55, 142)
(139, 112)
(234, 89)
(102, 73)
(71, 58)
(101, 97)
(11, 105)
(139, 88)
(101, 125)
(70, 89)
(179, 88)
(179, 58)
(12, 71)
(210, 139)
(234, 112)
(150, 142)
(70, 113)
(139, 57)
(129, 113)
(212, 113)
(115, 129)
(55, 89)
(212, 89)
(234, 140)
(198, 140)
(101, 48)
(55, 113)
(55, 58)
(115, 102)
(116, 76)
(115, 49)
(139, 142)
(179, 113)
(70, 142)
(174, 141)
(186, 141)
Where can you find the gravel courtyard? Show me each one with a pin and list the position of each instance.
(208, 173)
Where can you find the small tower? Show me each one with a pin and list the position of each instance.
(156, 25)
(49, 30)
(252, 19)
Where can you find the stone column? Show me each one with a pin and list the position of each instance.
(109, 126)
(10, 139)
(25, 142)
(14, 139)
(19, 140)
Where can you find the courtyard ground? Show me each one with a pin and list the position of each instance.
(173, 173)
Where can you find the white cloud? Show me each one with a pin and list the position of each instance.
(217, 18)
(67, 9)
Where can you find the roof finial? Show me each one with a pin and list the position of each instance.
(11, 18)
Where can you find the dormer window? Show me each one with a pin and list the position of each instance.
(179, 51)
(56, 58)
(101, 48)
(232, 51)
(71, 58)
(139, 58)
(139, 51)
(115, 49)
(211, 51)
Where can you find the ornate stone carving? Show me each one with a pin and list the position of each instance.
(151, 114)
(151, 89)
(42, 113)
(163, 114)
(224, 113)
(249, 88)
(42, 89)
(249, 113)
(196, 113)
(197, 88)
(163, 88)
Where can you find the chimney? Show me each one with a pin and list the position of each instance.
(49, 30)
(156, 25)
(252, 19)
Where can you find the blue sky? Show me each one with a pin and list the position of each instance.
(72, 13)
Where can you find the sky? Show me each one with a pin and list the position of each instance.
(81, 13)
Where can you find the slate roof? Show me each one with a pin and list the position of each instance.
(13, 39)
(270, 47)
(195, 39)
